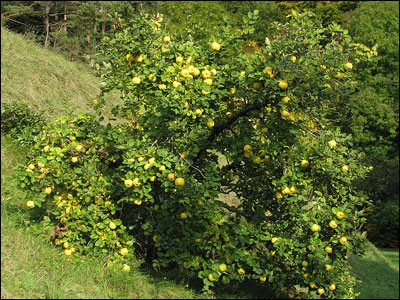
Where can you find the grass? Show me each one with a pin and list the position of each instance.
(377, 273)
(44, 79)
(33, 268)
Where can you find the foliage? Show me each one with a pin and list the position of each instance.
(20, 121)
(372, 114)
(153, 185)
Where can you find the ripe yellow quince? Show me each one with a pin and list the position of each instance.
(215, 46)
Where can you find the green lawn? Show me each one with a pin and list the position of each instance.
(377, 273)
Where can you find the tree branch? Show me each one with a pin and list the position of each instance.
(219, 128)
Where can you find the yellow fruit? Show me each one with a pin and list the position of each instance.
(328, 249)
(30, 204)
(264, 130)
(185, 104)
(343, 240)
(304, 263)
(222, 267)
(67, 252)
(78, 148)
(210, 124)
(152, 77)
(315, 228)
(279, 195)
(137, 201)
(198, 111)
(47, 190)
(171, 176)
(65, 245)
(321, 291)
(176, 84)
(340, 215)
(263, 279)
(305, 275)
(72, 138)
(46, 148)
(136, 182)
(126, 268)
(257, 85)
(129, 57)
(285, 113)
(128, 182)
(215, 46)
(304, 163)
(196, 72)
(333, 224)
(348, 66)
(210, 277)
(286, 99)
(273, 253)
(332, 143)
(257, 160)
(185, 72)
(162, 86)
(247, 148)
(283, 85)
(206, 74)
(153, 178)
(332, 287)
(338, 75)
(274, 240)
(313, 285)
(112, 225)
(139, 59)
(31, 166)
(146, 167)
(328, 267)
(74, 159)
(180, 181)
(183, 215)
(241, 271)
(286, 190)
(57, 242)
(135, 80)
(345, 168)
(162, 168)
(208, 81)
(292, 58)
(123, 251)
(292, 189)
(268, 70)
(233, 90)
(167, 39)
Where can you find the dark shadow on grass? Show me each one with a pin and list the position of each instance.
(248, 289)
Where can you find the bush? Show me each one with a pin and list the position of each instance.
(203, 119)
(20, 121)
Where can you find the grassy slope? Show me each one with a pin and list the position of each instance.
(43, 79)
(31, 268)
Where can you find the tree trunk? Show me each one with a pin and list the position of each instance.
(65, 15)
(46, 41)
(103, 25)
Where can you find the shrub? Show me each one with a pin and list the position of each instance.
(20, 121)
(217, 121)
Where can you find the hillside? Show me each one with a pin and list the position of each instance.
(43, 79)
